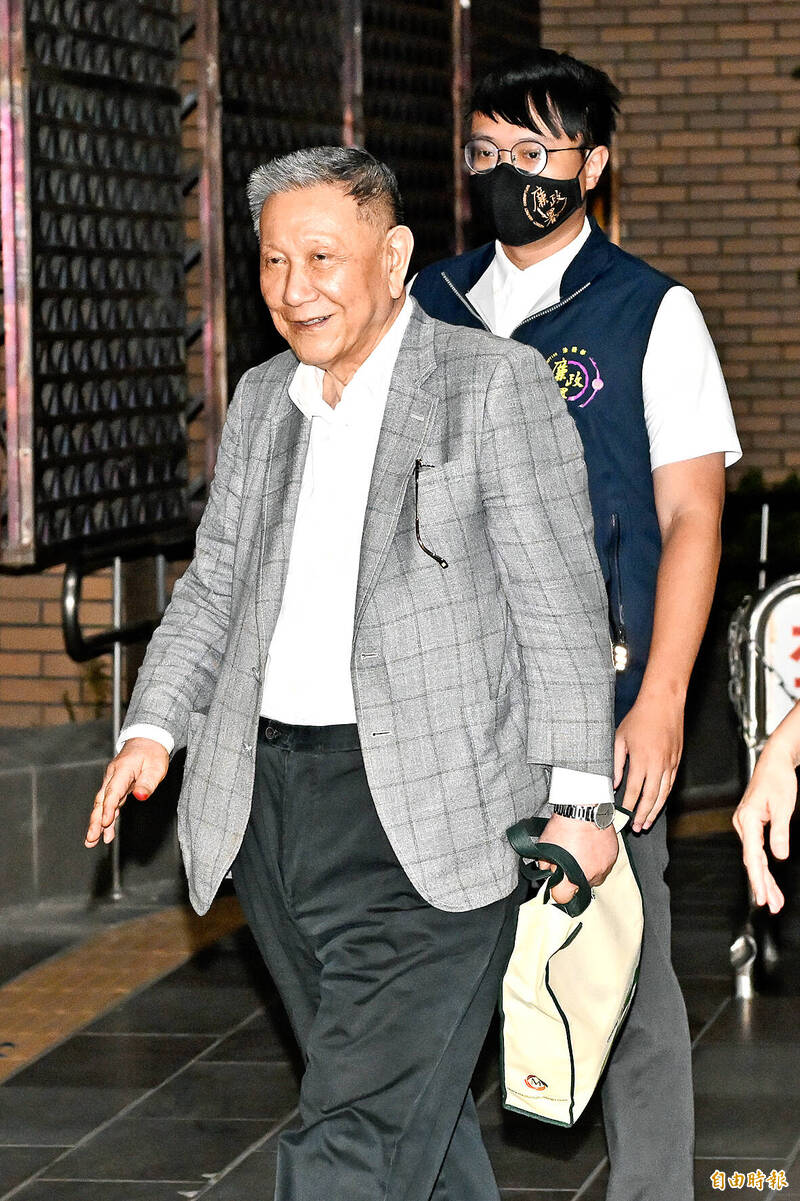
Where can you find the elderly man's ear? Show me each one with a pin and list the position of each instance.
(399, 246)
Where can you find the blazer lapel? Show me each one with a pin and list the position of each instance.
(406, 421)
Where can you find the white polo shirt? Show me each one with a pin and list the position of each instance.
(686, 405)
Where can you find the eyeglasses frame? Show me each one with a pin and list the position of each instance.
(437, 558)
(548, 150)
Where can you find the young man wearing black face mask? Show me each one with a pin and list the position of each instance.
(637, 370)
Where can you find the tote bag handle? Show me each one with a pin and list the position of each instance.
(522, 839)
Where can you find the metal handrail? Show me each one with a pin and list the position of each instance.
(79, 647)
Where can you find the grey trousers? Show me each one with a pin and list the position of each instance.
(648, 1103)
(390, 999)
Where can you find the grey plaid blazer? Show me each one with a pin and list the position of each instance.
(469, 681)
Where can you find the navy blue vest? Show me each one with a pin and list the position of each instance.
(594, 340)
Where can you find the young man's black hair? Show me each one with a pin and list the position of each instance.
(567, 95)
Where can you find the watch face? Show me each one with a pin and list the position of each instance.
(604, 815)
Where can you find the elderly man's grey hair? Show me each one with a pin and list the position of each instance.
(370, 182)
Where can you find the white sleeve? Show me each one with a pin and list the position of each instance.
(686, 405)
(570, 787)
(143, 730)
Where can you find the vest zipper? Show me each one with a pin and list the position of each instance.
(464, 301)
(617, 610)
(542, 313)
(551, 308)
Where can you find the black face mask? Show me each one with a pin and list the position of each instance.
(524, 208)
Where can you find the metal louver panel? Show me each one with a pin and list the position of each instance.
(102, 415)
(280, 84)
(408, 117)
(500, 32)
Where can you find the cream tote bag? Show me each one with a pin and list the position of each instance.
(569, 982)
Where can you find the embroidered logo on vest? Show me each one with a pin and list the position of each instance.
(538, 1085)
(576, 373)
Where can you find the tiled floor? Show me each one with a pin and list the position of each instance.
(58, 996)
(181, 1090)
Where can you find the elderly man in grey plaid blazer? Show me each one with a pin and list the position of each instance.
(391, 644)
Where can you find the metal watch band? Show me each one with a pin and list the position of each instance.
(600, 814)
(586, 813)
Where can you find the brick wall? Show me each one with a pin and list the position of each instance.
(707, 163)
(39, 684)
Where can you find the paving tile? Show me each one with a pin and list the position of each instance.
(271, 1144)
(762, 1070)
(596, 1191)
(159, 1149)
(255, 1178)
(57, 1114)
(18, 1163)
(252, 1179)
(18, 958)
(180, 1009)
(757, 1022)
(537, 1194)
(701, 950)
(104, 1190)
(112, 1061)
(703, 996)
(785, 979)
(60, 996)
(232, 959)
(225, 1090)
(189, 1130)
(746, 1125)
(526, 1154)
(266, 1036)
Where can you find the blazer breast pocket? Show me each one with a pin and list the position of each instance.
(454, 479)
(446, 508)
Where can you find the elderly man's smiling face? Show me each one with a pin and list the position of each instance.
(332, 275)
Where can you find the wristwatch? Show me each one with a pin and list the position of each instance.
(601, 815)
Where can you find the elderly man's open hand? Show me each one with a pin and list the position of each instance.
(138, 768)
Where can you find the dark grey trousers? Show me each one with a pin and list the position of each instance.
(648, 1104)
(390, 998)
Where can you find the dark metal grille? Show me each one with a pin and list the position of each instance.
(280, 79)
(501, 31)
(107, 290)
(408, 115)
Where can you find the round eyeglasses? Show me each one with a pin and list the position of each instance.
(528, 157)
